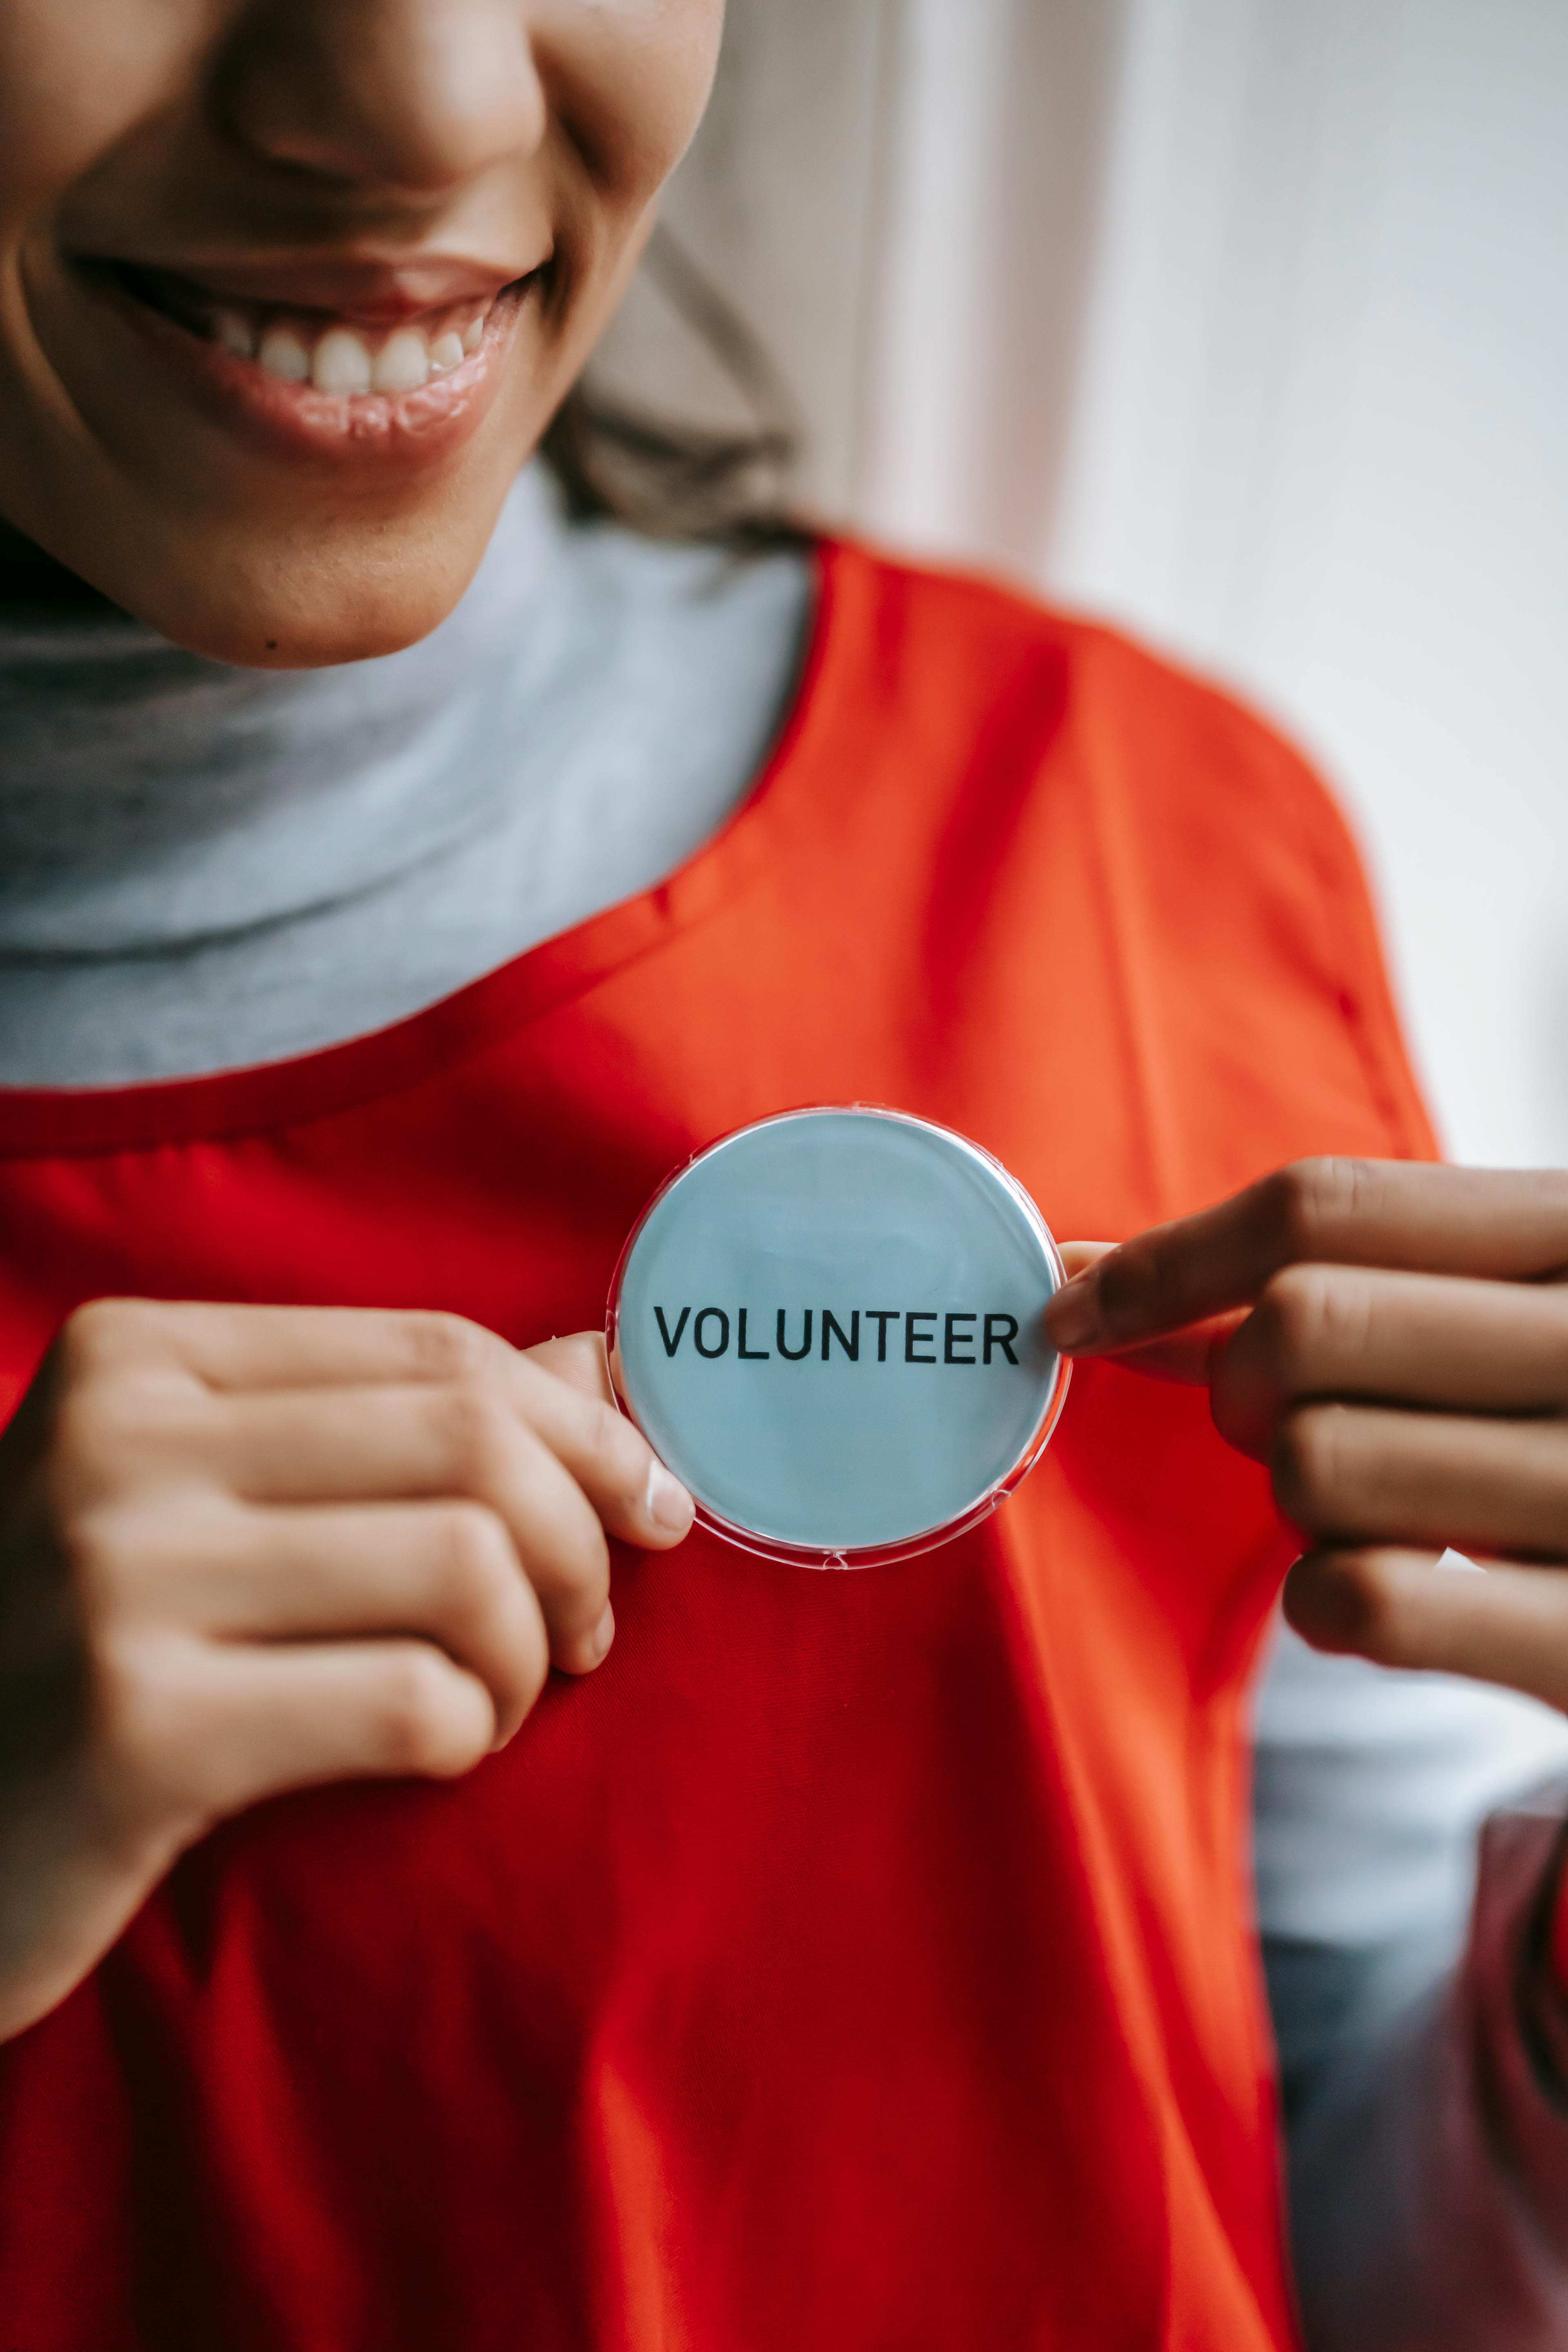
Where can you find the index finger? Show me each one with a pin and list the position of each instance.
(238, 1347)
(1505, 1224)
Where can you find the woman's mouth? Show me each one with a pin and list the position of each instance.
(310, 380)
(300, 346)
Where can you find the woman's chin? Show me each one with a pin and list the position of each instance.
(344, 601)
(302, 640)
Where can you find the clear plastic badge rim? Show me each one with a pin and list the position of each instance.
(926, 1538)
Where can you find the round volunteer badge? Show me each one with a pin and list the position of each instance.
(828, 1326)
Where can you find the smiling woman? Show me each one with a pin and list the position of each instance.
(287, 296)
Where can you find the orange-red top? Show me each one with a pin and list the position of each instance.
(856, 1960)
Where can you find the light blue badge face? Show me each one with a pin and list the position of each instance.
(828, 1326)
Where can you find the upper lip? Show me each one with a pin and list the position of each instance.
(376, 293)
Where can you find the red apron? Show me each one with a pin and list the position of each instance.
(857, 1962)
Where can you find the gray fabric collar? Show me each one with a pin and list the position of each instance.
(149, 797)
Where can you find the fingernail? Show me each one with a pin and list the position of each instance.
(1072, 1318)
(668, 1504)
(604, 1633)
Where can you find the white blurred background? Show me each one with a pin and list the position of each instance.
(1244, 322)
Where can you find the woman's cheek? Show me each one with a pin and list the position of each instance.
(630, 79)
(75, 77)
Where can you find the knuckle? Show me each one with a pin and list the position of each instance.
(1373, 1610)
(474, 1561)
(1284, 1322)
(102, 1332)
(413, 1729)
(1306, 1314)
(1308, 1464)
(449, 1349)
(479, 1431)
(1312, 1199)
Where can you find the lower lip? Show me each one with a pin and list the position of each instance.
(374, 432)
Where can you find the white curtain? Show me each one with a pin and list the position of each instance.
(1246, 323)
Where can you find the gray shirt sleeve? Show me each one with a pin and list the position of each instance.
(1426, 2128)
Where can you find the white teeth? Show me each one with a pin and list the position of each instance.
(342, 362)
(235, 334)
(402, 364)
(283, 354)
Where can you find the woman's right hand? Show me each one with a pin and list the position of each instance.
(247, 1549)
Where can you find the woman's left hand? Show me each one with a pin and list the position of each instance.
(1392, 1340)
